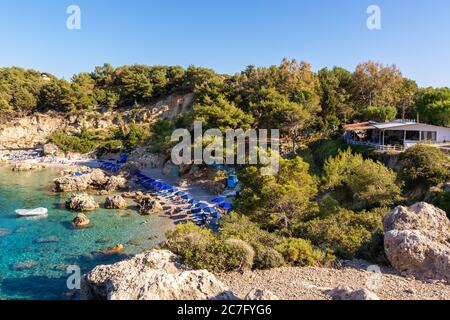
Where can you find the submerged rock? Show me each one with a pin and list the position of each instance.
(103, 240)
(155, 275)
(148, 205)
(24, 265)
(416, 241)
(117, 249)
(81, 221)
(50, 239)
(81, 202)
(115, 202)
(4, 232)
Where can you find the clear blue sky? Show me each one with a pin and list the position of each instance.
(227, 35)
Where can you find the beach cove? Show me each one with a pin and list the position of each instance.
(35, 253)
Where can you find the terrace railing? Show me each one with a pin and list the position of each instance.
(380, 147)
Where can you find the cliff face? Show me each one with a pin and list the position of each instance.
(29, 132)
(36, 130)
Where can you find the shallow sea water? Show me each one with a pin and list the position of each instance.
(35, 253)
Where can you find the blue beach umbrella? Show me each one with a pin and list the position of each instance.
(218, 200)
(197, 210)
(226, 206)
(209, 209)
(201, 205)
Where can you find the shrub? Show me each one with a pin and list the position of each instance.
(198, 248)
(268, 258)
(370, 183)
(84, 143)
(344, 232)
(423, 165)
(328, 206)
(299, 252)
(235, 226)
(160, 134)
(240, 255)
(324, 149)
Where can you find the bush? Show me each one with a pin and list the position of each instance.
(268, 258)
(370, 183)
(160, 134)
(235, 226)
(324, 149)
(423, 165)
(197, 247)
(240, 255)
(345, 232)
(84, 143)
(299, 252)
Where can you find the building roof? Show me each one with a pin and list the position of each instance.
(384, 125)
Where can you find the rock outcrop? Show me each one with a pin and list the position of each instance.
(29, 132)
(115, 202)
(155, 275)
(148, 205)
(97, 179)
(347, 293)
(117, 249)
(81, 221)
(261, 294)
(115, 183)
(417, 241)
(81, 202)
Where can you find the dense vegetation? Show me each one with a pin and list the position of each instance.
(326, 201)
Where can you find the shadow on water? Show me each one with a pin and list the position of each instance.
(35, 288)
(55, 288)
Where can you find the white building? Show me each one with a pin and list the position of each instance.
(395, 135)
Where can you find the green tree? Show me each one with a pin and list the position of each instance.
(433, 106)
(370, 183)
(222, 114)
(377, 85)
(336, 87)
(280, 201)
(423, 166)
(379, 114)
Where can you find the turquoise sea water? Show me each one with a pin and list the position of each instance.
(35, 253)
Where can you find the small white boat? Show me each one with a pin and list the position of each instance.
(39, 212)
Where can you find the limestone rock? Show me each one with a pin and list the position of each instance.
(115, 202)
(155, 275)
(417, 241)
(148, 206)
(81, 221)
(260, 294)
(117, 249)
(115, 183)
(51, 149)
(96, 179)
(347, 293)
(81, 202)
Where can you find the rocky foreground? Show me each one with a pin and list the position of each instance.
(318, 283)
